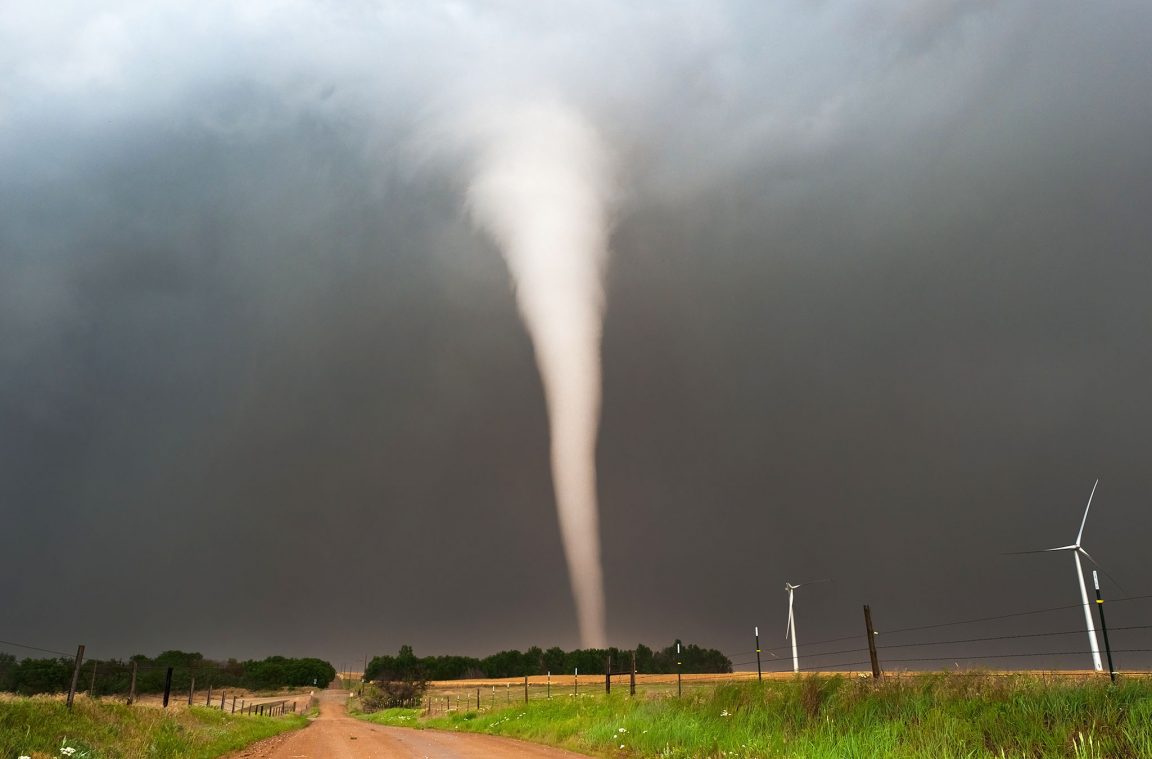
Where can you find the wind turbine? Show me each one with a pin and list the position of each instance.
(790, 629)
(1077, 550)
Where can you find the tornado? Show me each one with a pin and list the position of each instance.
(541, 188)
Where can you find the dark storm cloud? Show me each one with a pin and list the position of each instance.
(877, 311)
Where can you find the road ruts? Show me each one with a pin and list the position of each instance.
(335, 735)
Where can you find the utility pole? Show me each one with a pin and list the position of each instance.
(576, 681)
(608, 675)
(167, 686)
(759, 673)
(871, 642)
(549, 685)
(1103, 625)
(632, 676)
(525, 688)
(75, 675)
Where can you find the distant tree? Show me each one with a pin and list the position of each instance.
(8, 669)
(555, 660)
(43, 676)
(279, 672)
(405, 665)
(513, 663)
(183, 659)
(534, 661)
(645, 662)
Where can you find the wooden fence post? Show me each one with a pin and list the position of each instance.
(871, 642)
(132, 687)
(75, 675)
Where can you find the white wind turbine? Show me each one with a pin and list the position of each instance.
(1077, 550)
(790, 629)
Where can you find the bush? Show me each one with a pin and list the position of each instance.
(391, 694)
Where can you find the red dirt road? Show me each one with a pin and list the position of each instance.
(334, 735)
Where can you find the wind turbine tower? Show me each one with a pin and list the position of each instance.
(1077, 550)
(790, 629)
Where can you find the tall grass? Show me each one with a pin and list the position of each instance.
(41, 725)
(946, 716)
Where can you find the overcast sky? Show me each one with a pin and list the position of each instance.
(877, 310)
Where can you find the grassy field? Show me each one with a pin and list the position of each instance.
(943, 716)
(41, 727)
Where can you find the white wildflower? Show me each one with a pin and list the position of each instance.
(622, 730)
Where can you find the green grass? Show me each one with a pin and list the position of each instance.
(945, 716)
(39, 726)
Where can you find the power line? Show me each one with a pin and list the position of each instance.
(34, 648)
(1004, 637)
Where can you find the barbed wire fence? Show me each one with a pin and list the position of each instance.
(178, 683)
(202, 682)
(894, 656)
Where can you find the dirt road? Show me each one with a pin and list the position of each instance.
(334, 735)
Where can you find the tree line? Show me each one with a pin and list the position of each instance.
(113, 676)
(537, 661)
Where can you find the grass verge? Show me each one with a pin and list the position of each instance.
(944, 716)
(40, 727)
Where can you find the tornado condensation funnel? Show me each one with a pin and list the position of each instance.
(541, 189)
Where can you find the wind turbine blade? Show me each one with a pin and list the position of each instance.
(1103, 570)
(1085, 519)
(1042, 550)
